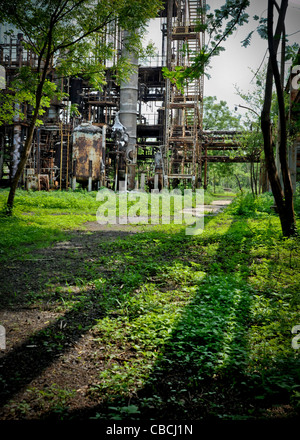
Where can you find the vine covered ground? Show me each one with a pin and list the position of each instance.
(141, 322)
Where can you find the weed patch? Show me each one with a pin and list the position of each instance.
(175, 326)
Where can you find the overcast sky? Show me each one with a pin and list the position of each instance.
(232, 67)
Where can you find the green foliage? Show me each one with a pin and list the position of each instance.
(208, 336)
(292, 53)
(290, 50)
(52, 398)
(250, 205)
(217, 115)
(21, 93)
(35, 221)
(219, 26)
(189, 326)
(40, 217)
(69, 38)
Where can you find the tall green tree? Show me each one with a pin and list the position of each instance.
(219, 26)
(283, 194)
(252, 140)
(62, 34)
(217, 116)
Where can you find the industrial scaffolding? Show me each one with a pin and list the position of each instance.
(151, 132)
(182, 148)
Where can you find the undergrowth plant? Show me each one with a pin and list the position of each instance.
(190, 327)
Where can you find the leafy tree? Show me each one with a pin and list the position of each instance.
(21, 91)
(219, 25)
(218, 117)
(252, 140)
(68, 36)
(282, 191)
(283, 195)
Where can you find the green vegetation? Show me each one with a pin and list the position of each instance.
(41, 218)
(190, 327)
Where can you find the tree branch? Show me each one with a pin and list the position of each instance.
(243, 5)
(265, 117)
(75, 5)
(86, 34)
(280, 98)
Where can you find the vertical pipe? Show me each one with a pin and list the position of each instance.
(117, 172)
(169, 33)
(61, 154)
(102, 183)
(205, 170)
(128, 110)
(126, 178)
(19, 49)
(142, 184)
(10, 51)
(67, 172)
(74, 175)
(90, 175)
(16, 145)
(167, 83)
(155, 181)
(38, 159)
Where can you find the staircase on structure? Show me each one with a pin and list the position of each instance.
(183, 109)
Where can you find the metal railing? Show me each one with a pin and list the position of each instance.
(157, 60)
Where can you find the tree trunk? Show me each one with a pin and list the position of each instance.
(38, 98)
(251, 178)
(26, 151)
(283, 197)
(264, 177)
(256, 180)
(239, 183)
(2, 150)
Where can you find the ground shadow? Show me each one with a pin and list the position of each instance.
(173, 390)
(23, 285)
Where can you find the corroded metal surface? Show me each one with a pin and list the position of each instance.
(87, 152)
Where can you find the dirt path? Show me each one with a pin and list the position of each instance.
(207, 210)
(30, 317)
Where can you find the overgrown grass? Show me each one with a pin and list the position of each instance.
(77, 202)
(41, 218)
(223, 313)
(193, 327)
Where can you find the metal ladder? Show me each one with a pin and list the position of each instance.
(182, 129)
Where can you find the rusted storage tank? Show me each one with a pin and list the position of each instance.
(88, 155)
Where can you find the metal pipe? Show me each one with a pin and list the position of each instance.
(16, 142)
(74, 175)
(38, 165)
(61, 155)
(67, 173)
(102, 166)
(128, 111)
(90, 175)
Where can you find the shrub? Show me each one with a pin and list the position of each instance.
(249, 205)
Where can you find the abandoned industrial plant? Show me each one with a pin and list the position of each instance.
(149, 217)
(142, 133)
